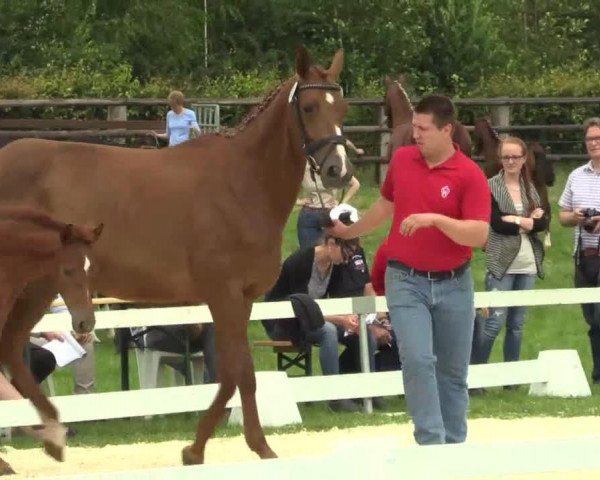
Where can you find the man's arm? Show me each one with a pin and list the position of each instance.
(570, 218)
(469, 233)
(380, 211)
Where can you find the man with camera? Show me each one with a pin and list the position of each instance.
(580, 208)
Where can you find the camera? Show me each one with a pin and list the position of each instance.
(589, 224)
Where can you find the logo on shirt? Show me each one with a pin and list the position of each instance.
(445, 191)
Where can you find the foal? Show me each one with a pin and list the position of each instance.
(40, 257)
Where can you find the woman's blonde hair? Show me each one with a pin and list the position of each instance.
(175, 98)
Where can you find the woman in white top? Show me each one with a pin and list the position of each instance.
(310, 217)
(181, 122)
(514, 254)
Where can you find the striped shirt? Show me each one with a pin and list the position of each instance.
(583, 191)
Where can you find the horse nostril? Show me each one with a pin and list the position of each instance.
(333, 171)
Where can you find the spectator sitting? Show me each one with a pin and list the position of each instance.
(310, 270)
(171, 338)
(84, 369)
(387, 357)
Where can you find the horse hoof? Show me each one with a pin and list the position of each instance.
(268, 454)
(189, 457)
(57, 452)
(6, 469)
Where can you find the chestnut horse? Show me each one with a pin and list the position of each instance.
(399, 112)
(39, 257)
(199, 222)
(541, 169)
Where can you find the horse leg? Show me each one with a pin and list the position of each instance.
(53, 434)
(230, 317)
(5, 468)
(253, 431)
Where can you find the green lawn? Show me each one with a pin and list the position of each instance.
(546, 328)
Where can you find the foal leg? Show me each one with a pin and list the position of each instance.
(5, 468)
(53, 434)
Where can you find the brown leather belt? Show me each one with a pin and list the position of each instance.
(590, 252)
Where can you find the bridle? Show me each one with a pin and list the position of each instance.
(311, 147)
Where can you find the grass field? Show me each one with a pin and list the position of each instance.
(546, 328)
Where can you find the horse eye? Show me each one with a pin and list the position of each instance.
(308, 108)
(69, 272)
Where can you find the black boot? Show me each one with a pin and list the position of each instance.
(594, 335)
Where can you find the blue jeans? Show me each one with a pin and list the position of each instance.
(514, 317)
(328, 337)
(309, 227)
(433, 322)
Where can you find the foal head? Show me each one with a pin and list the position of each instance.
(319, 110)
(73, 274)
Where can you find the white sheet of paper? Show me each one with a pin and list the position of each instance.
(66, 351)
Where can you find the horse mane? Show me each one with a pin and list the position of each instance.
(403, 92)
(253, 113)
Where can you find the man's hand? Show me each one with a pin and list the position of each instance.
(350, 323)
(53, 336)
(338, 230)
(360, 151)
(381, 335)
(83, 338)
(578, 215)
(414, 222)
(597, 226)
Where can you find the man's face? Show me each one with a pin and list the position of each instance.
(592, 142)
(428, 136)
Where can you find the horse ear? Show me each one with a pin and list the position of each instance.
(337, 64)
(98, 230)
(387, 80)
(302, 62)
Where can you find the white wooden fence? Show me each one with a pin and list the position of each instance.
(107, 405)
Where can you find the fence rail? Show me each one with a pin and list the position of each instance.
(373, 102)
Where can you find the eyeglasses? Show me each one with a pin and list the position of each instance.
(592, 139)
(514, 158)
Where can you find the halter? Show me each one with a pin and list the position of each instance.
(311, 147)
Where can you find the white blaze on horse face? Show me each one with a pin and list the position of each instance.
(87, 264)
(341, 151)
(329, 98)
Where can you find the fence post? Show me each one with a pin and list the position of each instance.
(384, 140)
(117, 113)
(501, 117)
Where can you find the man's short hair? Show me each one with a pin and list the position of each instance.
(440, 106)
(591, 122)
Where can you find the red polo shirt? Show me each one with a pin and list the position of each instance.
(378, 268)
(456, 188)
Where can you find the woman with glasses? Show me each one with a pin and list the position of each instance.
(514, 254)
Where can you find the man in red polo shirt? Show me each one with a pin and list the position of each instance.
(440, 203)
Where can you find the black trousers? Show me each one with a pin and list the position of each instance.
(587, 273)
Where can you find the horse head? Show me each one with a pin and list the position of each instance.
(319, 108)
(397, 106)
(73, 275)
(487, 144)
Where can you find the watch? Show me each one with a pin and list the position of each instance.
(518, 220)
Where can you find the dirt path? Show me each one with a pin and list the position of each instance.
(33, 463)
